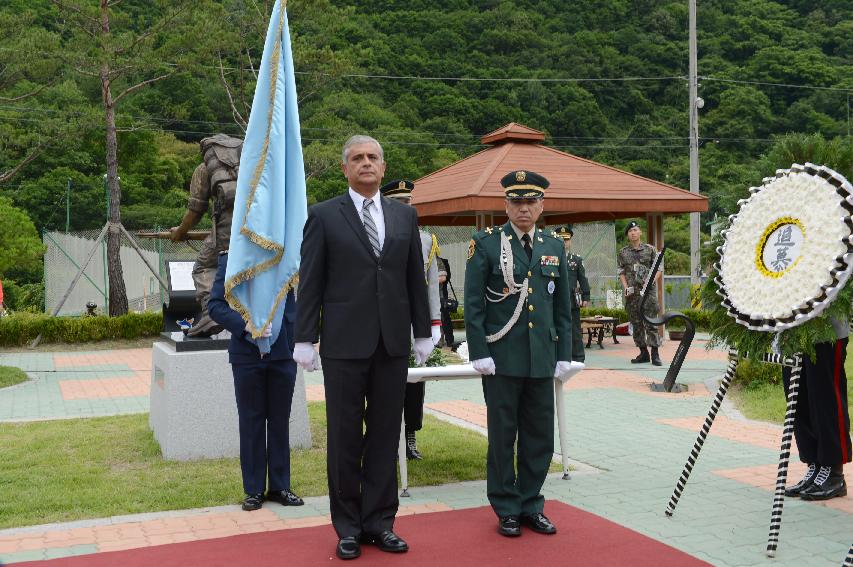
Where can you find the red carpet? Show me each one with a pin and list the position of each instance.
(458, 538)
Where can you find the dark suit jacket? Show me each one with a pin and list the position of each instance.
(241, 350)
(347, 297)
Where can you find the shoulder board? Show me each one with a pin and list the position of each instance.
(488, 231)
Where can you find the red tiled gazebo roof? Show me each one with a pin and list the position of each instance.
(581, 190)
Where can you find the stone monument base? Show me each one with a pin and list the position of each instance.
(193, 408)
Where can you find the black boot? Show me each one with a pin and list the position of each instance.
(828, 483)
(655, 356)
(804, 483)
(643, 356)
(412, 447)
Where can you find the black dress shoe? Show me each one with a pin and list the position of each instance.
(539, 523)
(805, 482)
(284, 497)
(825, 486)
(348, 548)
(253, 502)
(508, 526)
(386, 540)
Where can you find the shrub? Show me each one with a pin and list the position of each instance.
(752, 374)
(21, 328)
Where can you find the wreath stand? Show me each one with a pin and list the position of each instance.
(795, 363)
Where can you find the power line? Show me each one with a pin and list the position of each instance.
(764, 83)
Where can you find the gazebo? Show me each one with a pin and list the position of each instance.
(469, 193)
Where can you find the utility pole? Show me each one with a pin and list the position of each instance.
(695, 104)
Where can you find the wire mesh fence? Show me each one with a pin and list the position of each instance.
(594, 241)
(66, 252)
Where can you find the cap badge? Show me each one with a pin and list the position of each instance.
(520, 176)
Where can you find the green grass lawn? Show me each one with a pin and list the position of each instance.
(54, 471)
(767, 401)
(9, 376)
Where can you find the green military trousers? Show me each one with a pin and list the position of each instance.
(577, 336)
(522, 409)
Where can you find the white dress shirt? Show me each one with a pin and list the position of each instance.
(375, 212)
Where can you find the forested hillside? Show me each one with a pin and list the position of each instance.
(605, 79)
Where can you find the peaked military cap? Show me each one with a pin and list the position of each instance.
(400, 188)
(565, 232)
(523, 184)
(630, 225)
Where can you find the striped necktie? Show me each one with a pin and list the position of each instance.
(370, 226)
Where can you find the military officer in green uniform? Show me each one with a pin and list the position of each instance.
(633, 264)
(518, 322)
(578, 287)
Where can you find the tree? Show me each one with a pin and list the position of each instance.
(40, 109)
(128, 51)
(20, 245)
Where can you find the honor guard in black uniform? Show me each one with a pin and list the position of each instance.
(579, 289)
(413, 407)
(822, 421)
(518, 321)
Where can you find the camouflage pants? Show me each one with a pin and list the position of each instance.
(645, 334)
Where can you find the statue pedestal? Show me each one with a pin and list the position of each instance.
(193, 409)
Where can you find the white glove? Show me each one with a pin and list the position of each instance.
(484, 366)
(629, 291)
(562, 367)
(566, 370)
(305, 356)
(423, 348)
(436, 334)
(267, 330)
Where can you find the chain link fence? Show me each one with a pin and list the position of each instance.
(594, 241)
(66, 252)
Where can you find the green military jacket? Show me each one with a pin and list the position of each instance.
(635, 264)
(542, 334)
(578, 284)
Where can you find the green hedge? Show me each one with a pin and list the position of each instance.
(619, 314)
(21, 328)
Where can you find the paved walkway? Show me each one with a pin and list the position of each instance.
(628, 444)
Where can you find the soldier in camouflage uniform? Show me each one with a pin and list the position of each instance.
(216, 180)
(578, 287)
(413, 405)
(634, 262)
(518, 321)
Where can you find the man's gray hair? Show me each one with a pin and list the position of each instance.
(360, 139)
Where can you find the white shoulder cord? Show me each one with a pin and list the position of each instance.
(507, 266)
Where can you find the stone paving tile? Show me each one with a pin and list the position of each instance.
(766, 435)
(635, 440)
(139, 385)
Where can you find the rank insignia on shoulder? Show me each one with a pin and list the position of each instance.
(539, 238)
(550, 260)
(471, 247)
(489, 230)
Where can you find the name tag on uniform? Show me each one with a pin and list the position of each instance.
(550, 260)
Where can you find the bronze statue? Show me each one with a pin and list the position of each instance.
(214, 180)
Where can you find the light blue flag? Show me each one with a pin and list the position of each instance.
(270, 207)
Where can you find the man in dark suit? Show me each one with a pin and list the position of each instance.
(264, 391)
(361, 294)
